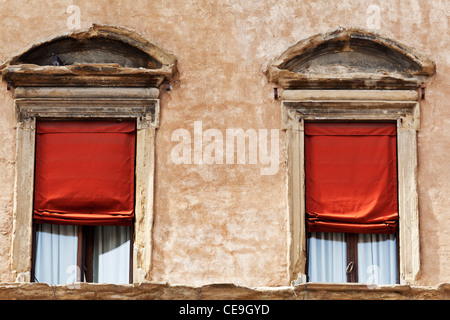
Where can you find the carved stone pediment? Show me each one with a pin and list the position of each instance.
(349, 59)
(100, 56)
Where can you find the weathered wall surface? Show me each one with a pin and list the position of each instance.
(227, 222)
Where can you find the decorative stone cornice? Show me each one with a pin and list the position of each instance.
(220, 291)
(101, 56)
(349, 59)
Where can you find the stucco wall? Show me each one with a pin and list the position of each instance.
(227, 222)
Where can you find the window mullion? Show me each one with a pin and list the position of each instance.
(352, 257)
(80, 255)
(89, 247)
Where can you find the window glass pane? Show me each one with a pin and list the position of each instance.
(56, 254)
(377, 258)
(327, 257)
(111, 254)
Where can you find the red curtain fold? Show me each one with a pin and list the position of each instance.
(351, 177)
(84, 172)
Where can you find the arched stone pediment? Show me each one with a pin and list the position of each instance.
(349, 58)
(99, 56)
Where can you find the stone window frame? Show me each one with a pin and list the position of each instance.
(363, 105)
(367, 77)
(87, 91)
(35, 104)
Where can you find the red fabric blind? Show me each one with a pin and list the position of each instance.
(351, 177)
(85, 172)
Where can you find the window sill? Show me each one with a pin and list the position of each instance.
(164, 291)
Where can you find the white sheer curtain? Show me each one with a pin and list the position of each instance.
(56, 254)
(111, 254)
(327, 257)
(57, 248)
(377, 259)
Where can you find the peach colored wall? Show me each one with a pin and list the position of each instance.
(227, 223)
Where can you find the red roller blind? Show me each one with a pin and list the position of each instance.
(84, 172)
(351, 177)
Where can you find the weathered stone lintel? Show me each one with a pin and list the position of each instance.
(349, 109)
(85, 93)
(102, 75)
(145, 110)
(380, 95)
(164, 291)
(354, 82)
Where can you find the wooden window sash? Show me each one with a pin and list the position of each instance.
(352, 257)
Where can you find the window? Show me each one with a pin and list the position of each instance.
(84, 200)
(351, 75)
(299, 114)
(351, 201)
(120, 81)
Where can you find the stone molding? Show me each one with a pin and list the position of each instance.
(31, 104)
(83, 103)
(101, 56)
(352, 75)
(323, 105)
(349, 59)
(219, 291)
